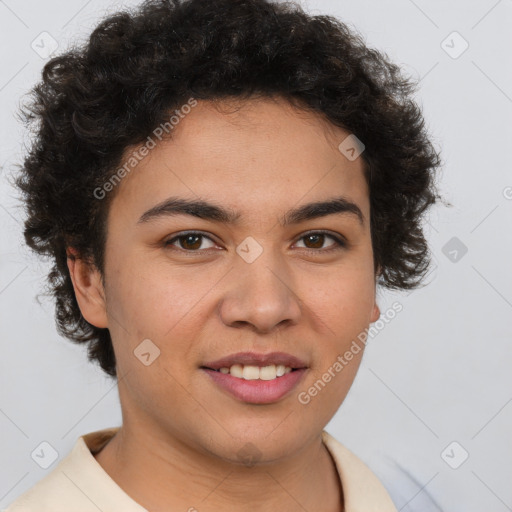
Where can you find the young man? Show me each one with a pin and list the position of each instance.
(223, 185)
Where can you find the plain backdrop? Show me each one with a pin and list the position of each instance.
(431, 408)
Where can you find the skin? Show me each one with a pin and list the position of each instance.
(179, 442)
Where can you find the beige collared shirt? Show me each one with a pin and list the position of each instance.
(79, 484)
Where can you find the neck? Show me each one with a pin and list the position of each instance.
(173, 476)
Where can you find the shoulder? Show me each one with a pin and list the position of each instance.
(362, 490)
(77, 484)
(55, 492)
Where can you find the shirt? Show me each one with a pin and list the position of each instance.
(80, 484)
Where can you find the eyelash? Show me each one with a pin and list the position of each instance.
(340, 243)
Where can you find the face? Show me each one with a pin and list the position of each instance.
(252, 275)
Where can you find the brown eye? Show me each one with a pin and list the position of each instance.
(189, 242)
(315, 241)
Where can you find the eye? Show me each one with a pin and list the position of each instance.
(190, 242)
(316, 239)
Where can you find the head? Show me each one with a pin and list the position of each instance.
(174, 157)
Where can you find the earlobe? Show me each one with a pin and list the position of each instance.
(376, 310)
(88, 287)
(375, 313)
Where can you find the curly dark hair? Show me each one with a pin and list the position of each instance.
(95, 101)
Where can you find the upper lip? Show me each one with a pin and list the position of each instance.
(255, 359)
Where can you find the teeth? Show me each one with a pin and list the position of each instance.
(251, 373)
(268, 372)
(237, 370)
(248, 372)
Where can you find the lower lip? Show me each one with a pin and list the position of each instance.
(257, 391)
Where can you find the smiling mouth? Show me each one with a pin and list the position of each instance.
(251, 372)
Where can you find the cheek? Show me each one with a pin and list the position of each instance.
(343, 300)
(169, 307)
(154, 318)
(154, 300)
(344, 315)
(344, 307)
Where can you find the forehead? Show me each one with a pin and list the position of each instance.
(251, 155)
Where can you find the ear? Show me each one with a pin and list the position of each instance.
(376, 310)
(375, 313)
(88, 287)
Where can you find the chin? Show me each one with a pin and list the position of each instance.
(263, 443)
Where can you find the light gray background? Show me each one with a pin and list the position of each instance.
(438, 373)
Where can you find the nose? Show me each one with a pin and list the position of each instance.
(260, 296)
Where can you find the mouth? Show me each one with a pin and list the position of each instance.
(256, 378)
(252, 372)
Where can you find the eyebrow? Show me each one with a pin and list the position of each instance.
(209, 211)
